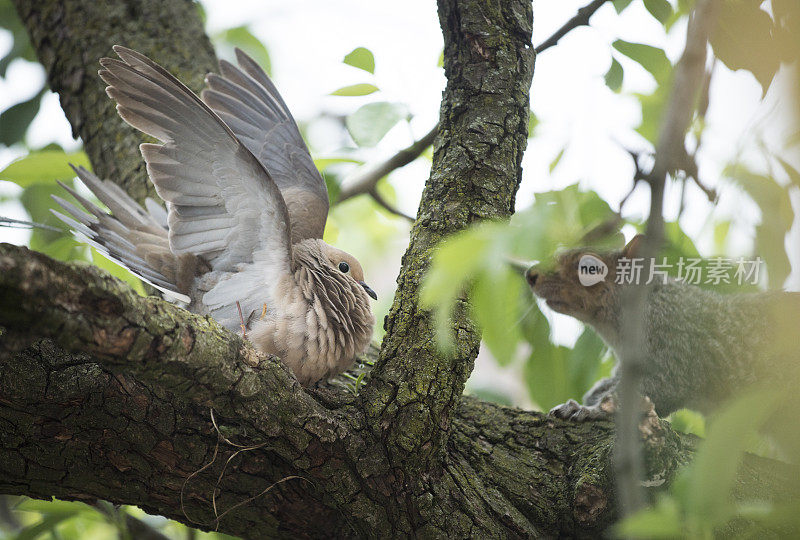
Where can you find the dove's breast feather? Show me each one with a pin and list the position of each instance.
(321, 323)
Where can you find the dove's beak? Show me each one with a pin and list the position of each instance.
(370, 292)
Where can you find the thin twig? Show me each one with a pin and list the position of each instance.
(580, 19)
(241, 449)
(195, 473)
(366, 183)
(378, 198)
(22, 224)
(241, 320)
(670, 156)
(254, 497)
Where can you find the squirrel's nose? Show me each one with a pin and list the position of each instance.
(531, 276)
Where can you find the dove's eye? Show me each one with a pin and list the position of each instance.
(344, 267)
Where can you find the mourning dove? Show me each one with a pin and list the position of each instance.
(241, 239)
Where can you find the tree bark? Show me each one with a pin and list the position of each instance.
(106, 394)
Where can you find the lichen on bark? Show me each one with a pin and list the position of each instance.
(105, 394)
(488, 61)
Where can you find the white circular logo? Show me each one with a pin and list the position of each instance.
(591, 270)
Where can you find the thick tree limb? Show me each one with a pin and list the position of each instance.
(488, 61)
(105, 420)
(104, 394)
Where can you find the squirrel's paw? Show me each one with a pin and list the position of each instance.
(572, 410)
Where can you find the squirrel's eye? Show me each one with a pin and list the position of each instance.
(344, 267)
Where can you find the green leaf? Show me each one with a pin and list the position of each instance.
(653, 59)
(36, 199)
(584, 361)
(368, 125)
(777, 216)
(495, 294)
(455, 262)
(361, 58)
(243, 38)
(556, 160)
(660, 9)
(547, 375)
(362, 89)
(324, 163)
(473, 261)
(688, 422)
(64, 248)
(721, 231)
(614, 75)
(713, 472)
(663, 520)
(15, 120)
(44, 166)
(333, 184)
(46, 525)
(620, 5)
(743, 39)
(533, 122)
(561, 218)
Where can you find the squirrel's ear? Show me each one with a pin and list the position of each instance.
(632, 249)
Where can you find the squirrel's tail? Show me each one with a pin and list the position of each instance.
(131, 236)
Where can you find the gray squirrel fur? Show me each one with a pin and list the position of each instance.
(702, 347)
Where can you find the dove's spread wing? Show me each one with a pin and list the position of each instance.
(222, 204)
(249, 103)
(130, 236)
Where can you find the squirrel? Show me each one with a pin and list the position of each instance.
(702, 347)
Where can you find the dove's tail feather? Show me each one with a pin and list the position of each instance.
(130, 236)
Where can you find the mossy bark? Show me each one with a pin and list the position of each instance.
(114, 400)
(105, 394)
(488, 61)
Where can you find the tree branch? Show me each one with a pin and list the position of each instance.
(378, 198)
(367, 181)
(580, 19)
(131, 423)
(670, 155)
(104, 394)
(189, 362)
(414, 388)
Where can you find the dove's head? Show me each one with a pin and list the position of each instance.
(337, 264)
(347, 265)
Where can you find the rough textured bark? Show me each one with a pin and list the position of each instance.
(115, 403)
(70, 37)
(105, 394)
(488, 61)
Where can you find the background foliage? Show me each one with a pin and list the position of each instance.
(555, 359)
